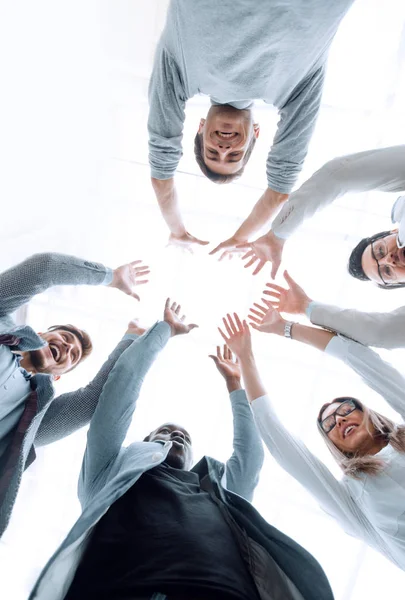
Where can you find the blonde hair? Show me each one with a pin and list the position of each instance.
(352, 464)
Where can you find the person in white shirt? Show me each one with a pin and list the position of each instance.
(369, 500)
(380, 257)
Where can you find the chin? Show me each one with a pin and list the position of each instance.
(176, 461)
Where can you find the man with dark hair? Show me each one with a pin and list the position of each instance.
(29, 362)
(379, 258)
(236, 53)
(152, 527)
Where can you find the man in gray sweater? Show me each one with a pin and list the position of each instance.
(29, 362)
(236, 52)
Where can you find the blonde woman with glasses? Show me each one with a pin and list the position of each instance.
(369, 500)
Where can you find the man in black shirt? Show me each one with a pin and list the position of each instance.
(152, 527)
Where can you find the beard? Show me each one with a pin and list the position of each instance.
(38, 361)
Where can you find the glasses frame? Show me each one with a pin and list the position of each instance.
(355, 404)
(378, 263)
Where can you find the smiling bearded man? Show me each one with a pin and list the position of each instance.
(29, 362)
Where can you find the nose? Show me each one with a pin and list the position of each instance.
(177, 433)
(68, 348)
(222, 147)
(339, 420)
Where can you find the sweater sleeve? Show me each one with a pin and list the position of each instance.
(378, 169)
(295, 458)
(69, 412)
(167, 101)
(375, 372)
(383, 330)
(294, 131)
(42, 271)
(244, 466)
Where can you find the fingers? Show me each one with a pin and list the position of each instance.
(142, 282)
(135, 262)
(244, 246)
(291, 282)
(222, 334)
(228, 328)
(238, 321)
(252, 261)
(219, 352)
(167, 303)
(274, 268)
(275, 287)
(259, 267)
(217, 249)
(133, 295)
(248, 254)
(254, 319)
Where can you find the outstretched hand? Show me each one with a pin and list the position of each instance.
(238, 335)
(176, 322)
(186, 241)
(126, 277)
(226, 364)
(268, 248)
(228, 248)
(266, 318)
(291, 300)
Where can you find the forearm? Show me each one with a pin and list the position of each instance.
(166, 194)
(41, 271)
(268, 205)
(384, 330)
(312, 336)
(251, 378)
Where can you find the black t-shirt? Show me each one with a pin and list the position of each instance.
(164, 535)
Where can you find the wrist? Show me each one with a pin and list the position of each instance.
(233, 384)
(275, 198)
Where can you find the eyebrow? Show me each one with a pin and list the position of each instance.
(377, 263)
(72, 336)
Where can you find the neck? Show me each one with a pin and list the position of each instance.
(26, 362)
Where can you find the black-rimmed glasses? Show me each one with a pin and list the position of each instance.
(379, 250)
(345, 408)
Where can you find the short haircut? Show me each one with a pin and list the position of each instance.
(355, 267)
(82, 336)
(219, 177)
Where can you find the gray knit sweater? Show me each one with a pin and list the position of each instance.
(235, 52)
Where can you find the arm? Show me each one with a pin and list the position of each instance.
(41, 271)
(113, 414)
(295, 458)
(71, 411)
(267, 206)
(384, 330)
(294, 131)
(380, 169)
(375, 372)
(243, 467)
(292, 455)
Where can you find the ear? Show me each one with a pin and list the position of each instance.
(201, 126)
(256, 130)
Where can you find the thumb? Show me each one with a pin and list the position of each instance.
(201, 243)
(274, 268)
(133, 295)
(291, 282)
(217, 249)
(192, 326)
(214, 358)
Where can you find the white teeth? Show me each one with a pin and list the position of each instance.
(348, 429)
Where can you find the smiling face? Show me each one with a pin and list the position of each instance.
(227, 133)
(383, 262)
(353, 433)
(63, 352)
(180, 455)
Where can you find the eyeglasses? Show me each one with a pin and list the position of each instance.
(346, 407)
(379, 250)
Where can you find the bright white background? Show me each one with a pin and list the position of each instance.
(74, 179)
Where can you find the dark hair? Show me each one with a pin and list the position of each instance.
(82, 336)
(219, 177)
(354, 266)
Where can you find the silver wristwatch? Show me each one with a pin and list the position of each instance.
(287, 329)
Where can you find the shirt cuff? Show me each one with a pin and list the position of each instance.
(108, 276)
(309, 309)
(130, 336)
(338, 347)
(163, 175)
